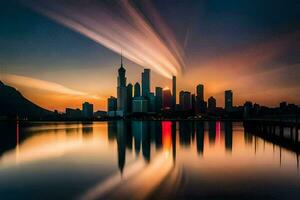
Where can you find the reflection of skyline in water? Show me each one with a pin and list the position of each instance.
(139, 136)
(123, 155)
(167, 134)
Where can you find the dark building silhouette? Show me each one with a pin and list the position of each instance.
(73, 113)
(248, 107)
(151, 102)
(167, 99)
(212, 104)
(185, 100)
(87, 110)
(174, 94)
(158, 98)
(112, 103)
(140, 105)
(228, 100)
(200, 104)
(146, 82)
(137, 90)
(193, 102)
(112, 106)
(200, 92)
(121, 91)
(129, 97)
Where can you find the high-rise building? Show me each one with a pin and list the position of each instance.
(200, 92)
(173, 92)
(248, 107)
(73, 113)
(167, 99)
(185, 100)
(193, 102)
(200, 105)
(158, 98)
(228, 100)
(151, 102)
(137, 90)
(146, 82)
(112, 104)
(212, 104)
(121, 91)
(139, 105)
(129, 97)
(87, 110)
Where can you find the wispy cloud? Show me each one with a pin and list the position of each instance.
(121, 26)
(28, 82)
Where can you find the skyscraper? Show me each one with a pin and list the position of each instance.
(185, 100)
(139, 105)
(137, 90)
(228, 100)
(167, 99)
(158, 98)
(200, 106)
(151, 100)
(111, 106)
(212, 104)
(200, 92)
(87, 110)
(121, 91)
(174, 92)
(146, 82)
(129, 97)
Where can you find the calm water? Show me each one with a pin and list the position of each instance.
(143, 160)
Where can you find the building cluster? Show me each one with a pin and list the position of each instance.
(87, 112)
(140, 99)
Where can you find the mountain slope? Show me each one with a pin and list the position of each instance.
(12, 104)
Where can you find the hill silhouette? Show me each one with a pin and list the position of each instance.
(13, 104)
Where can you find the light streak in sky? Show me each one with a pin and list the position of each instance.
(120, 26)
(33, 83)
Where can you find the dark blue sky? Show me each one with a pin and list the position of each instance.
(35, 46)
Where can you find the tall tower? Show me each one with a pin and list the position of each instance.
(146, 83)
(228, 100)
(122, 90)
(174, 92)
(200, 92)
(129, 97)
(137, 90)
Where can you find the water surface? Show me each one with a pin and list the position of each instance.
(143, 160)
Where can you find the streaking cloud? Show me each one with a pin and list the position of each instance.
(119, 25)
(43, 85)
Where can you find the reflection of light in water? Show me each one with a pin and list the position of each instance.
(167, 134)
(103, 187)
(137, 178)
(47, 146)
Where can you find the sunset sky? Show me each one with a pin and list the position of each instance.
(60, 54)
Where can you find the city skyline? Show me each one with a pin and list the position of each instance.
(254, 47)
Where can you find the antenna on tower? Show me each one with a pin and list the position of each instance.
(121, 57)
